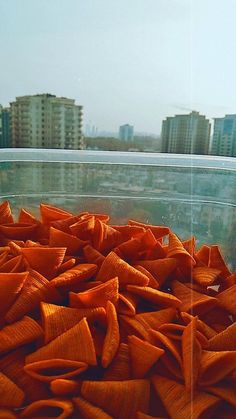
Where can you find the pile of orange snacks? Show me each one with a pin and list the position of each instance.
(102, 321)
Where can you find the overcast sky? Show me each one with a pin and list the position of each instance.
(133, 61)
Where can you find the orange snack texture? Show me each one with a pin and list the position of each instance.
(112, 321)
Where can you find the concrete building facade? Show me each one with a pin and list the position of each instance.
(187, 134)
(5, 128)
(224, 136)
(126, 132)
(46, 121)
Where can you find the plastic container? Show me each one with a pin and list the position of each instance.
(194, 195)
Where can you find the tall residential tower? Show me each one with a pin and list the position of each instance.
(187, 134)
(46, 121)
(126, 132)
(5, 127)
(224, 136)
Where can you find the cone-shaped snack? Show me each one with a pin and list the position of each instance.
(156, 252)
(203, 275)
(93, 256)
(129, 249)
(216, 261)
(217, 318)
(202, 255)
(58, 319)
(161, 341)
(10, 286)
(113, 265)
(129, 231)
(7, 414)
(201, 326)
(4, 257)
(153, 283)
(58, 238)
(121, 399)
(84, 229)
(62, 387)
(127, 303)
(154, 319)
(64, 225)
(193, 301)
(131, 326)
(89, 411)
(27, 217)
(112, 339)
(177, 250)
(227, 300)
(158, 231)
(35, 289)
(119, 369)
(191, 353)
(74, 276)
(15, 264)
(76, 344)
(5, 213)
(4, 249)
(10, 394)
(155, 296)
(215, 366)
(50, 213)
(52, 369)
(12, 365)
(97, 296)
(175, 331)
(18, 231)
(105, 237)
(190, 245)
(180, 404)
(53, 408)
(160, 268)
(98, 335)
(45, 260)
(143, 356)
(172, 330)
(224, 341)
(19, 333)
(15, 249)
(65, 266)
(223, 390)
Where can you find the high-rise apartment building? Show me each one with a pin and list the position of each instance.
(224, 136)
(187, 134)
(126, 132)
(5, 129)
(46, 121)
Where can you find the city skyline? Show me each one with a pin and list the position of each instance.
(135, 61)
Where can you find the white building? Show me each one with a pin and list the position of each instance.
(188, 134)
(46, 121)
(126, 132)
(224, 136)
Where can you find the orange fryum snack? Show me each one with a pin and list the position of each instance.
(92, 313)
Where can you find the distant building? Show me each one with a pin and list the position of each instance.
(187, 134)
(224, 136)
(5, 128)
(46, 121)
(126, 132)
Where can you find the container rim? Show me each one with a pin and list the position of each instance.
(115, 157)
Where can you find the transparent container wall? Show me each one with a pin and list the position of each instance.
(192, 197)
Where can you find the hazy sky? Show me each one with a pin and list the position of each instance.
(133, 61)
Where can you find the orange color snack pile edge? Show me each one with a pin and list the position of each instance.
(101, 321)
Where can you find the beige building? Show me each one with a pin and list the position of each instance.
(187, 134)
(46, 121)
